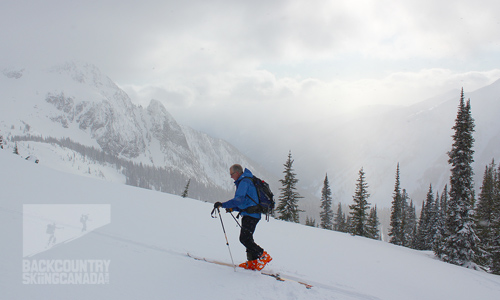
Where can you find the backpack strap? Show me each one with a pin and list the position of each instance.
(256, 203)
(251, 179)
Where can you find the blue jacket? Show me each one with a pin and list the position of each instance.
(241, 200)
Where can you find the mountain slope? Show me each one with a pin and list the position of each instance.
(75, 100)
(150, 232)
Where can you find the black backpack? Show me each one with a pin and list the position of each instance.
(265, 202)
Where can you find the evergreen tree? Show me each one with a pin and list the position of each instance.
(359, 209)
(460, 242)
(288, 207)
(372, 224)
(186, 190)
(486, 214)
(432, 215)
(410, 221)
(349, 225)
(326, 213)
(419, 242)
(340, 223)
(495, 229)
(413, 223)
(444, 202)
(310, 222)
(16, 150)
(1, 141)
(427, 223)
(396, 230)
(440, 221)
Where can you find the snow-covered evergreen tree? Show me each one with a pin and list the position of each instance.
(340, 223)
(288, 206)
(1, 141)
(460, 245)
(440, 221)
(443, 205)
(427, 223)
(349, 228)
(404, 218)
(419, 242)
(495, 229)
(486, 213)
(310, 221)
(396, 230)
(372, 224)
(326, 213)
(413, 221)
(359, 214)
(409, 221)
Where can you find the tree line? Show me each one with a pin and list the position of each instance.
(362, 219)
(456, 227)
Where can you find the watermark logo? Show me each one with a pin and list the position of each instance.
(46, 226)
(66, 271)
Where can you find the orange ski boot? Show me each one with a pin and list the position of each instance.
(249, 265)
(263, 260)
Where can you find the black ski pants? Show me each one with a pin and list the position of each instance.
(248, 225)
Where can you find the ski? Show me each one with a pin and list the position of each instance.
(276, 276)
(279, 277)
(212, 261)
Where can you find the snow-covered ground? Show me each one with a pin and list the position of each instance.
(135, 241)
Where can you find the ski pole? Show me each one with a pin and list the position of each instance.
(235, 220)
(227, 242)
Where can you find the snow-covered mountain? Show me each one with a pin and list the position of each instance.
(75, 100)
(134, 245)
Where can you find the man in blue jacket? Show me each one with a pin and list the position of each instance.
(245, 189)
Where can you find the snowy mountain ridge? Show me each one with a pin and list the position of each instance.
(75, 100)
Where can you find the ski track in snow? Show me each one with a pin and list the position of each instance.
(127, 242)
(315, 284)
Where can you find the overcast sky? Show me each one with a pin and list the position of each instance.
(213, 63)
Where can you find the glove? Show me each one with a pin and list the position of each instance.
(228, 210)
(217, 204)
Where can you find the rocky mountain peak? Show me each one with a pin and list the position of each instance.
(75, 100)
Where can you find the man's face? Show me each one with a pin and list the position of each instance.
(234, 175)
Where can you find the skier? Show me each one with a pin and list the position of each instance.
(83, 220)
(51, 231)
(256, 256)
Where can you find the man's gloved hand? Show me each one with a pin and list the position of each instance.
(228, 210)
(217, 204)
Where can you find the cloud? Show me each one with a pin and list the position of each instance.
(299, 97)
(138, 42)
(216, 60)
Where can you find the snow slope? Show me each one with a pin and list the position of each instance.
(149, 234)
